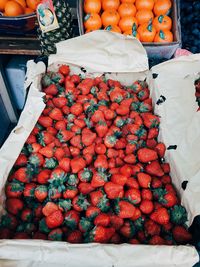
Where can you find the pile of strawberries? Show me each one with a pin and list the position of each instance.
(92, 169)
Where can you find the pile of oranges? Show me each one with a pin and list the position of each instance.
(14, 8)
(147, 20)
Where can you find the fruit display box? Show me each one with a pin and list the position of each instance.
(154, 50)
(173, 93)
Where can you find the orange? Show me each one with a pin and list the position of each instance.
(28, 10)
(92, 6)
(144, 15)
(92, 21)
(13, 9)
(132, 33)
(128, 1)
(164, 36)
(126, 23)
(88, 31)
(110, 4)
(113, 28)
(2, 4)
(147, 32)
(21, 2)
(162, 7)
(126, 9)
(162, 22)
(110, 17)
(144, 4)
(32, 3)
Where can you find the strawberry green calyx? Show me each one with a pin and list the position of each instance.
(29, 227)
(141, 132)
(132, 229)
(82, 202)
(120, 123)
(85, 224)
(20, 228)
(103, 102)
(56, 77)
(43, 226)
(94, 91)
(72, 179)
(159, 193)
(58, 181)
(178, 215)
(70, 101)
(65, 204)
(135, 106)
(88, 123)
(104, 204)
(90, 236)
(50, 163)
(46, 80)
(86, 175)
(92, 108)
(70, 222)
(116, 206)
(139, 224)
(31, 170)
(34, 160)
(7, 221)
(69, 126)
(41, 139)
(144, 107)
(103, 174)
(16, 186)
(42, 188)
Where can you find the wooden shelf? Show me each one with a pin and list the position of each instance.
(19, 45)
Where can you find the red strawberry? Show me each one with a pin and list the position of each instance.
(92, 212)
(150, 120)
(59, 153)
(21, 160)
(113, 190)
(153, 133)
(124, 209)
(127, 230)
(166, 179)
(99, 234)
(161, 216)
(119, 179)
(85, 225)
(70, 192)
(55, 219)
(131, 159)
(115, 239)
(154, 168)
(22, 175)
(99, 178)
(116, 222)
(29, 190)
(134, 241)
(9, 221)
(47, 152)
(181, 235)
(51, 89)
(77, 164)
(76, 109)
(160, 148)
(101, 162)
(132, 183)
(43, 176)
(75, 237)
(41, 192)
(64, 135)
(55, 235)
(146, 194)
(157, 240)
(88, 137)
(64, 69)
(39, 235)
(14, 189)
(5, 233)
(59, 102)
(80, 203)
(100, 149)
(26, 215)
(151, 143)
(146, 155)
(99, 199)
(146, 206)
(56, 114)
(102, 219)
(152, 228)
(165, 167)
(71, 219)
(144, 180)
(133, 195)
(14, 205)
(21, 235)
(126, 170)
(49, 208)
(136, 215)
(156, 182)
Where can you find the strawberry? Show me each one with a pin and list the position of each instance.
(124, 209)
(23, 174)
(21, 160)
(130, 159)
(98, 234)
(144, 180)
(151, 228)
(59, 102)
(157, 240)
(80, 203)
(26, 215)
(47, 152)
(137, 214)
(116, 222)
(71, 219)
(39, 235)
(14, 205)
(70, 192)
(146, 206)
(119, 179)
(99, 199)
(21, 235)
(45, 138)
(55, 219)
(85, 225)
(154, 168)
(43, 176)
(166, 167)
(102, 219)
(134, 241)
(160, 148)
(64, 163)
(151, 143)
(36, 159)
(29, 190)
(64, 135)
(41, 193)
(126, 170)
(75, 237)
(100, 177)
(143, 94)
(128, 229)
(153, 133)
(5, 233)
(133, 195)
(77, 164)
(55, 235)
(167, 199)
(150, 120)
(146, 155)
(132, 183)
(160, 216)
(181, 235)
(113, 190)
(92, 212)
(14, 189)
(146, 194)
(56, 114)
(115, 239)
(85, 175)
(49, 208)
(101, 162)
(64, 69)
